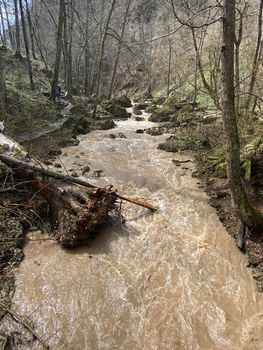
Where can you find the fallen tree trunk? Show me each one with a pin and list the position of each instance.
(75, 214)
(11, 162)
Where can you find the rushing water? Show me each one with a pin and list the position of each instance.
(169, 280)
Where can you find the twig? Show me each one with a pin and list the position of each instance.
(19, 319)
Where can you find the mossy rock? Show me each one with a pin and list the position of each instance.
(106, 124)
(183, 143)
(114, 109)
(80, 110)
(161, 115)
(151, 109)
(142, 105)
(137, 111)
(123, 101)
(54, 152)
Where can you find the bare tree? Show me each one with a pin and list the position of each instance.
(98, 76)
(10, 33)
(3, 112)
(29, 65)
(2, 24)
(61, 19)
(255, 60)
(17, 25)
(248, 214)
(31, 31)
(120, 43)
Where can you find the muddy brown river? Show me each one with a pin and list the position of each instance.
(168, 280)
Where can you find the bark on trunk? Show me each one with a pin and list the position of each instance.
(29, 66)
(17, 25)
(256, 60)
(119, 49)
(98, 75)
(61, 19)
(3, 112)
(248, 214)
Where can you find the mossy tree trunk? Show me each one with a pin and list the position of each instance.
(248, 214)
(3, 112)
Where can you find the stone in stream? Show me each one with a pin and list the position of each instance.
(139, 119)
(57, 165)
(97, 173)
(123, 101)
(122, 136)
(139, 131)
(112, 136)
(85, 170)
(74, 174)
(137, 110)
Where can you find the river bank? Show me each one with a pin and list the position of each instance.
(143, 281)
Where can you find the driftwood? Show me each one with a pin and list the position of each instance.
(75, 214)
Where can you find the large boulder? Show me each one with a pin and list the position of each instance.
(115, 110)
(123, 101)
(163, 114)
(105, 124)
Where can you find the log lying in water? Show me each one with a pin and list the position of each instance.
(75, 214)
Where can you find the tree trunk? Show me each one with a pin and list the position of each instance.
(119, 48)
(248, 214)
(31, 32)
(87, 68)
(256, 59)
(11, 39)
(3, 26)
(68, 36)
(97, 92)
(169, 67)
(29, 66)
(3, 112)
(62, 14)
(17, 24)
(208, 88)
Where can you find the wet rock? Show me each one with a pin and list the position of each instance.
(139, 119)
(73, 142)
(151, 109)
(142, 105)
(77, 156)
(123, 101)
(156, 131)
(105, 124)
(122, 136)
(54, 152)
(112, 136)
(47, 162)
(137, 110)
(163, 114)
(85, 170)
(57, 165)
(139, 131)
(114, 109)
(97, 173)
(74, 174)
